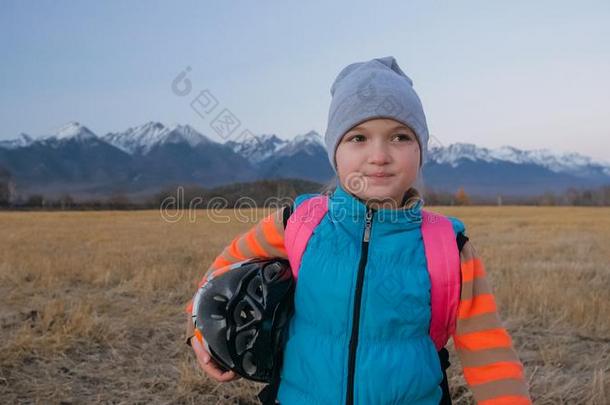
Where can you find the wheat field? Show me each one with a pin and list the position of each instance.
(91, 303)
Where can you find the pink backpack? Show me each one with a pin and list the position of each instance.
(442, 256)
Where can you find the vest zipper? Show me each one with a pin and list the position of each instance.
(353, 343)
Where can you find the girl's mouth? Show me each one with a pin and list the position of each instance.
(381, 174)
(379, 177)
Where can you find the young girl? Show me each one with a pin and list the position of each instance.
(360, 329)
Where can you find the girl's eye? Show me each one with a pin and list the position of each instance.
(403, 137)
(357, 138)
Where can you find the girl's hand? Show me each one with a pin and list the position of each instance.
(208, 364)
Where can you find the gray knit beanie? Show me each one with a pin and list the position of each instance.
(377, 88)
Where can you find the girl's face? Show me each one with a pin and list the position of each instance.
(378, 161)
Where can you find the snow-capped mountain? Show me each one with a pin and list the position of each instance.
(310, 143)
(73, 130)
(257, 148)
(153, 155)
(136, 138)
(302, 157)
(571, 163)
(141, 139)
(21, 141)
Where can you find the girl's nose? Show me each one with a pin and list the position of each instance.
(379, 155)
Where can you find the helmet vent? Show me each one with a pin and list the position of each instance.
(272, 272)
(248, 363)
(255, 289)
(243, 313)
(217, 307)
(245, 340)
(220, 298)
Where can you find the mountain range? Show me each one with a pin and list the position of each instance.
(144, 159)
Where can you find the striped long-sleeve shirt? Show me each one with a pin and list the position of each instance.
(491, 366)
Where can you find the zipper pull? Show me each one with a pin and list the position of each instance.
(367, 225)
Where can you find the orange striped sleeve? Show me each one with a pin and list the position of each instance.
(491, 366)
(472, 268)
(480, 304)
(486, 339)
(232, 250)
(493, 372)
(507, 400)
(219, 262)
(254, 245)
(263, 240)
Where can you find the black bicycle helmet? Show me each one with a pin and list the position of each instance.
(243, 313)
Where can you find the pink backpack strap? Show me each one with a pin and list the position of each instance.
(300, 226)
(443, 258)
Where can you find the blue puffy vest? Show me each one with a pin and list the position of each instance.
(360, 330)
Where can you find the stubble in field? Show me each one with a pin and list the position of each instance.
(91, 303)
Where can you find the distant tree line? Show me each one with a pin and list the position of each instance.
(266, 192)
(574, 196)
(67, 202)
(254, 194)
(591, 197)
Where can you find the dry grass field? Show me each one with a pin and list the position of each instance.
(91, 303)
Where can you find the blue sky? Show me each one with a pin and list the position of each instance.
(521, 73)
